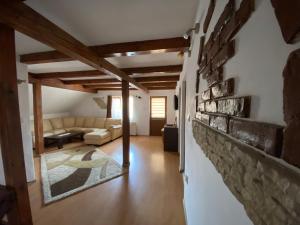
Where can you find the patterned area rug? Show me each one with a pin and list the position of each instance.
(73, 170)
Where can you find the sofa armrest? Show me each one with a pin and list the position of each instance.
(116, 126)
(116, 131)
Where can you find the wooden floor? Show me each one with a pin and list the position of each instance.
(151, 194)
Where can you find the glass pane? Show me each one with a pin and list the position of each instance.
(158, 107)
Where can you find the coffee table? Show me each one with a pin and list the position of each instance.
(61, 139)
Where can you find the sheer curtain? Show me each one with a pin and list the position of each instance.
(116, 107)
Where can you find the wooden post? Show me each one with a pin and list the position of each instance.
(125, 123)
(109, 102)
(10, 130)
(38, 117)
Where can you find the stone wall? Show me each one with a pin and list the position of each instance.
(268, 187)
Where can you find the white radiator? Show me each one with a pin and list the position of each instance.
(133, 128)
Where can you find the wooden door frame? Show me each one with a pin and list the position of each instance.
(166, 108)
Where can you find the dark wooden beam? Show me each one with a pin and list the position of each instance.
(72, 74)
(162, 88)
(25, 20)
(112, 50)
(59, 84)
(10, 130)
(108, 105)
(160, 84)
(125, 123)
(115, 81)
(38, 117)
(91, 73)
(153, 69)
(157, 79)
(113, 89)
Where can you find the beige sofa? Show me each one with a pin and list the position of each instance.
(97, 130)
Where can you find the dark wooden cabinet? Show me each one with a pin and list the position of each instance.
(170, 138)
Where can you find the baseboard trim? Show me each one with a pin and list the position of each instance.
(184, 211)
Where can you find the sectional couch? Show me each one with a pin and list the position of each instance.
(97, 130)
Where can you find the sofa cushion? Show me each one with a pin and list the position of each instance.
(79, 121)
(57, 123)
(59, 131)
(97, 135)
(99, 122)
(69, 122)
(109, 122)
(46, 126)
(47, 134)
(89, 122)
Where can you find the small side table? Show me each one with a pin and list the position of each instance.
(170, 138)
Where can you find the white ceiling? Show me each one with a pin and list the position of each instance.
(97, 22)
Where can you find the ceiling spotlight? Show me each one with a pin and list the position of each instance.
(189, 32)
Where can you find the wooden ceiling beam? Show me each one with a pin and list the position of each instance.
(71, 74)
(92, 73)
(153, 69)
(29, 22)
(148, 85)
(137, 79)
(113, 50)
(157, 79)
(59, 84)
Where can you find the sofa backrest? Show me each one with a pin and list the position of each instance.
(47, 126)
(109, 122)
(84, 122)
(100, 122)
(68, 122)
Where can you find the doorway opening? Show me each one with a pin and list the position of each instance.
(158, 114)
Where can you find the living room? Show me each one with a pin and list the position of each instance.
(149, 112)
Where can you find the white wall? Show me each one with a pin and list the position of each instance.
(57, 102)
(257, 66)
(25, 125)
(141, 107)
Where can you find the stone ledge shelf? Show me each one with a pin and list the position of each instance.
(268, 187)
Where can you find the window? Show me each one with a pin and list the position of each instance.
(158, 107)
(116, 107)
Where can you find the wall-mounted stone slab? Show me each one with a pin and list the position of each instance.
(201, 49)
(291, 148)
(229, 30)
(268, 187)
(206, 71)
(206, 95)
(214, 49)
(197, 81)
(204, 118)
(225, 16)
(239, 106)
(291, 102)
(291, 90)
(211, 106)
(264, 136)
(209, 14)
(209, 43)
(245, 11)
(219, 122)
(288, 16)
(224, 55)
(201, 107)
(223, 89)
(215, 77)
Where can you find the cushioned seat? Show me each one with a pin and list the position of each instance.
(97, 137)
(59, 131)
(99, 130)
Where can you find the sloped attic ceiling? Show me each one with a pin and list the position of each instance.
(56, 100)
